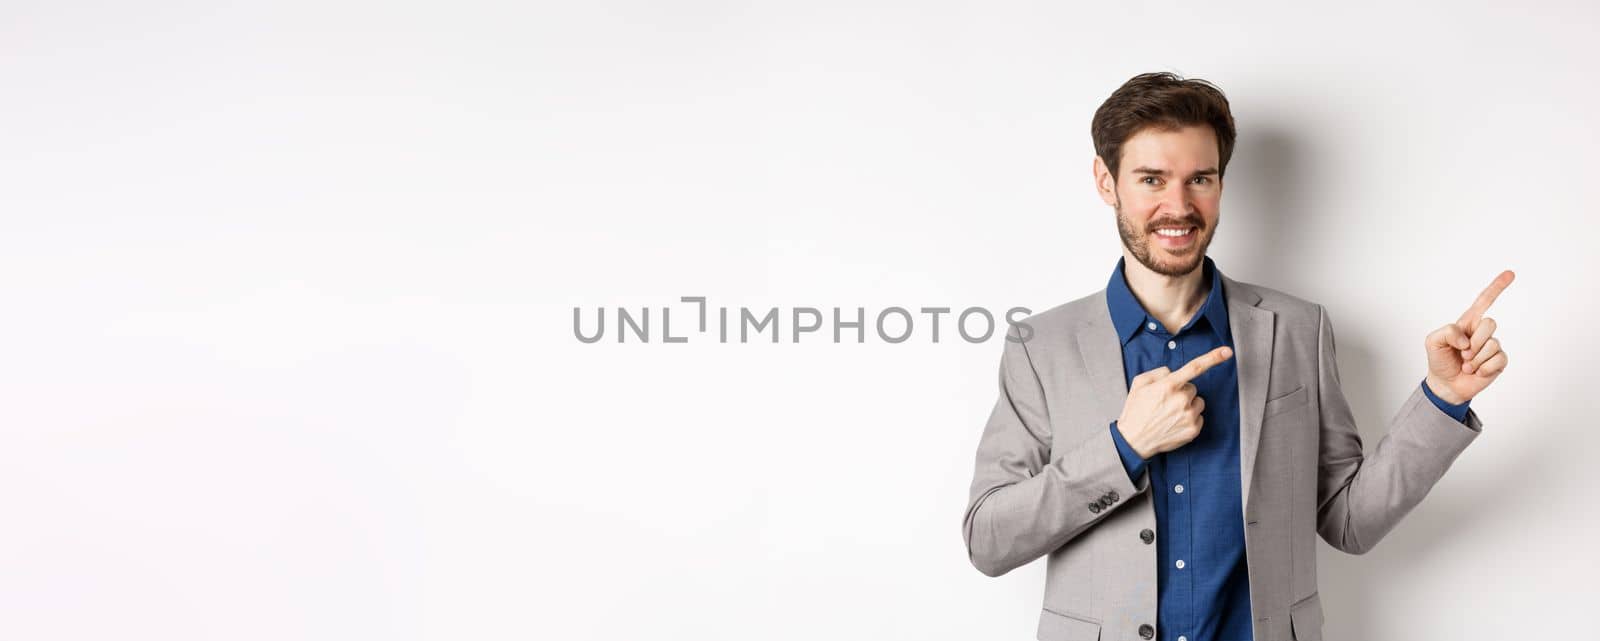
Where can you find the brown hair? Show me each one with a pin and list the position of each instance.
(1165, 101)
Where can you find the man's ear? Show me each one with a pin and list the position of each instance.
(1104, 182)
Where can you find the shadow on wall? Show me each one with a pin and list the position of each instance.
(1262, 189)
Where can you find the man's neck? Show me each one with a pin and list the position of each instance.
(1173, 300)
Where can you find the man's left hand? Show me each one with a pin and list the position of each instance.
(1464, 356)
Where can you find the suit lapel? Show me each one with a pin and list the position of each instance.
(1252, 329)
(1102, 355)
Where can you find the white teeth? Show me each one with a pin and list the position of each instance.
(1174, 233)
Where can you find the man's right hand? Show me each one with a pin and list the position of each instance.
(1162, 412)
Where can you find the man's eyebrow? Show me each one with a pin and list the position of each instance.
(1208, 171)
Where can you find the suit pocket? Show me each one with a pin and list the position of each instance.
(1057, 626)
(1305, 617)
(1287, 402)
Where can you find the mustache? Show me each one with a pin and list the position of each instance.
(1193, 220)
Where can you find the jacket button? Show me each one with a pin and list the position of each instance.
(1112, 496)
(1094, 508)
(1147, 632)
(1147, 535)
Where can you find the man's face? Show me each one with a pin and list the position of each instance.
(1168, 195)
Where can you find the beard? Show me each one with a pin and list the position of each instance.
(1182, 261)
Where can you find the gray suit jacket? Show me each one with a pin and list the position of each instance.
(1046, 455)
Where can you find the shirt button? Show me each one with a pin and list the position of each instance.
(1180, 564)
(1172, 344)
(1152, 326)
(1178, 488)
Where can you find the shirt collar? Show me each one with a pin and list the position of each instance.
(1127, 315)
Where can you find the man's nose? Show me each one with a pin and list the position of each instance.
(1175, 200)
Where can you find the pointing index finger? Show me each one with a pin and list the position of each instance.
(1485, 299)
(1200, 364)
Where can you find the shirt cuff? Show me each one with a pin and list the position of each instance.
(1458, 412)
(1130, 459)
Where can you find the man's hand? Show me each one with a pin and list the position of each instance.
(1162, 412)
(1464, 356)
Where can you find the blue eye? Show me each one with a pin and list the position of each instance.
(1148, 180)
(1202, 180)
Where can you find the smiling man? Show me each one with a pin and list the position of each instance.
(1176, 442)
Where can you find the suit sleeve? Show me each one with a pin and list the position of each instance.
(1022, 505)
(1361, 498)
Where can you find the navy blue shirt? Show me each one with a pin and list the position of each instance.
(1203, 589)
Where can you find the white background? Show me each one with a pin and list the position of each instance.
(287, 348)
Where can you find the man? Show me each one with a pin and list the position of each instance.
(1175, 442)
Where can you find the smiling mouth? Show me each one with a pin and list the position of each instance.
(1175, 237)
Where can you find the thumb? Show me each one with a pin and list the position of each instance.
(1449, 337)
